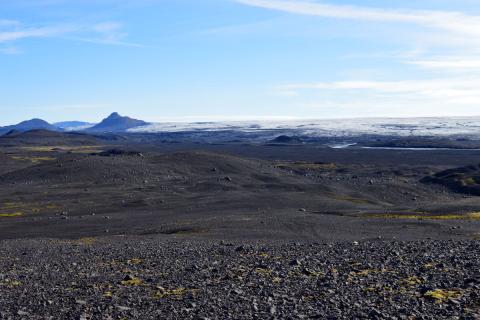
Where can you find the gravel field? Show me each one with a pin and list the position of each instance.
(156, 277)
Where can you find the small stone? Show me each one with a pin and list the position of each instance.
(122, 308)
(295, 262)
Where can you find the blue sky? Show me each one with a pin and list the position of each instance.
(181, 60)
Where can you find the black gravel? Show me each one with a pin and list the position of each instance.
(158, 278)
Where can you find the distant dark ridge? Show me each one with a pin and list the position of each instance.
(116, 123)
(462, 180)
(12, 133)
(287, 139)
(33, 124)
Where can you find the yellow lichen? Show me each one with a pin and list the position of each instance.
(263, 271)
(11, 215)
(133, 281)
(33, 160)
(175, 293)
(411, 281)
(87, 241)
(108, 294)
(441, 295)
(425, 216)
(135, 261)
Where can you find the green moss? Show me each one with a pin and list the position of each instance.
(425, 216)
(11, 215)
(441, 295)
(174, 293)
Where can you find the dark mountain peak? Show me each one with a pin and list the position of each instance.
(117, 123)
(114, 115)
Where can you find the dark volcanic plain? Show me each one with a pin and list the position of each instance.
(129, 227)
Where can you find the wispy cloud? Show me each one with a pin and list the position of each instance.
(11, 50)
(446, 20)
(452, 63)
(107, 33)
(457, 90)
(33, 32)
(8, 22)
(454, 35)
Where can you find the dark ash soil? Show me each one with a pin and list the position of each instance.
(103, 227)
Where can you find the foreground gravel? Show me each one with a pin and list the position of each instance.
(158, 278)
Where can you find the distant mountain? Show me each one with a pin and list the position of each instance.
(73, 125)
(116, 123)
(28, 125)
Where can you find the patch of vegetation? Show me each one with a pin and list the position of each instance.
(72, 149)
(34, 160)
(134, 261)
(20, 207)
(263, 271)
(411, 281)
(441, 295)
(175, 293)
(11, 215)
(10, 283)
(87, 241)
(425, 216)
(132, 281)
(307, 166)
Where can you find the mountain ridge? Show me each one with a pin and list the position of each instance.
(116, 123)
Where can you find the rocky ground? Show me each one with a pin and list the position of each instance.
(158, 278)
(91, 230)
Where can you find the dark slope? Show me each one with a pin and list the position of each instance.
(46, 138)
(462, 180)
(116, 123)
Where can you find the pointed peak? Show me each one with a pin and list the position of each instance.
(114, 115)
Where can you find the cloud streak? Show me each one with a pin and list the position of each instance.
(457, 90)
(107, 33)
(446, 20)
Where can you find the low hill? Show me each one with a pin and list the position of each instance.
(462, 180)
(46, 138)
(33, 124)
(287, 140)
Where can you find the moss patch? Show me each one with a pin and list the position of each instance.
(34, 160)
(132, 281)
(441, 295)
(174, 293)
(425, 216)
(11, 215)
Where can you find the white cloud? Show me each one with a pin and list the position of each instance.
(40, 32)
(8, 23)
(456, 91)
(453, 36)
(455, 63)
(446, 20)
(108, 33)
(11, 50)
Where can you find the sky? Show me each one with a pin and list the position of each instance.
(207, 60)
